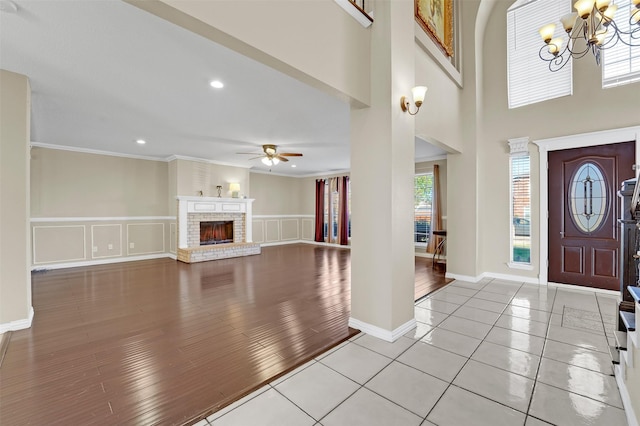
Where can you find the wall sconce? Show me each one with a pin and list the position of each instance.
(418, 93)
(235, 189)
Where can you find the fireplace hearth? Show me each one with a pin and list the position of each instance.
(225, 231)
(216, 232)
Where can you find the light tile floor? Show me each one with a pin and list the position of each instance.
(489, 353)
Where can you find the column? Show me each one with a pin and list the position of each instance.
(15, 258)
(382, 174)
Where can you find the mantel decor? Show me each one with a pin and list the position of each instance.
(436, 19)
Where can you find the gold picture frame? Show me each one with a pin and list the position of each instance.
(436, 19)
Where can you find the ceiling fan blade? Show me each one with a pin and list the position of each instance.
(255, 158)
(249, 153)
(281, 158)
(291, 154)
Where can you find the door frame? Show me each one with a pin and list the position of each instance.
(582, 140)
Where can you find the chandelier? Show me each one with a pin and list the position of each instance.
(591, 28)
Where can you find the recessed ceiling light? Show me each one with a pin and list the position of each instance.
(216, 84)
(141, 141)
(293, 165)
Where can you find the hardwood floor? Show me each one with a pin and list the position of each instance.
(428, 279)
(163, 342)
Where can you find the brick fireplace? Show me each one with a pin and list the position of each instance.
(194, 210)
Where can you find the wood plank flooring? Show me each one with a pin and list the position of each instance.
(163, 342)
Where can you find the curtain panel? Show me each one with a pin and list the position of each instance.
(436, 211)
(343, 210)
(332, 194)
(319, 237)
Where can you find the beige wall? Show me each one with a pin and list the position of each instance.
(589, 109)
(75, 184)
(195, 176)
(109, 208)
(462, 169)
(15, 279)
(439, 120)
(172, 172)
(275, 195)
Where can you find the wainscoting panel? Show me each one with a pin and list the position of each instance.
(173, 238)
(289, 230)
(58, 243)
(145, 238)
(106, 241)
(66, 242)
(308, 229)
(282, 229)
(258, 231)
(272, 227)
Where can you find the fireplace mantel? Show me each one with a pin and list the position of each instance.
(187, 205)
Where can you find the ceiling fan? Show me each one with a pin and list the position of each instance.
(271, 156)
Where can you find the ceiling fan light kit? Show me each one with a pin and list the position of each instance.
(270, 156)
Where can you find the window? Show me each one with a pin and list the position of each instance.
(423, 197)
(621, 63)
(520, 209)
(529, 79)
(332, 209)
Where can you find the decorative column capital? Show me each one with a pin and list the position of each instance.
(519, 146)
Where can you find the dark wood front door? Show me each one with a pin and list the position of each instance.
(584, 236)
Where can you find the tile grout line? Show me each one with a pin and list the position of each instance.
(462, 368)
(544, 345)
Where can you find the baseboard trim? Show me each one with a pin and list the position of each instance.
(16, 325)
(466, 278)
(626, 398)
(584, 289)
(315, 243)
(509, 277)
(94, 262)
(381, 333)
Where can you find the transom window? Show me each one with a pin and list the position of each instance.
(528, 77)
(621, 63)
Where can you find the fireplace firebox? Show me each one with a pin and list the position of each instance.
(216, 232)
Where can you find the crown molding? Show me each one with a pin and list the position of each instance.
(94, 151)
(204, 160)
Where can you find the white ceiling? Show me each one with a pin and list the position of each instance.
(104, 73)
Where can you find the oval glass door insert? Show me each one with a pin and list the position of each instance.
(588, 198)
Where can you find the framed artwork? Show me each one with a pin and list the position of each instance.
(436, 19)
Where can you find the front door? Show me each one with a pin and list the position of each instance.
(584, 235)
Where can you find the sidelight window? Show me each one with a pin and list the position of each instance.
(520, 203)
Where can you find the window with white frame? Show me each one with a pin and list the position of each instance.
(621, 63)
(520, 202)
(423, 201)
(529, 79)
